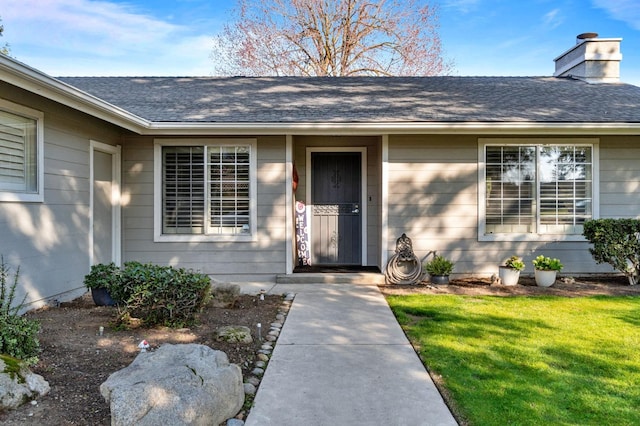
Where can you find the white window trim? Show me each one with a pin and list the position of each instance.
(483, 142)
(157, 189)
(38, 116)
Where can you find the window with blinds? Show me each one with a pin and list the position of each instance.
(537, 189)
(183, 208)
(510, 194)
(206, 190)
(18, 154)
(565, 186)
(229, 189)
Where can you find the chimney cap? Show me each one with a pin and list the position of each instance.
(585, 36)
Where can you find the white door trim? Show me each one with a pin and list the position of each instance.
(384, 202)
(116, 239)
(290, 203)
(363, 196)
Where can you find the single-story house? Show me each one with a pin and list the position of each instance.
(214, 174)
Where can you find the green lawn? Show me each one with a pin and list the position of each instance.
(530, 360)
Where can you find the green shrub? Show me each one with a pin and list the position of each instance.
(160, 294)
(18, 334)
(439, 265)
(103, 275)
(616, 242)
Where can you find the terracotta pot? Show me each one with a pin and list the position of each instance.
(508, 276)
(545, 278)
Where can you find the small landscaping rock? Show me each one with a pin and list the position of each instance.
(249, 389)
(234, 333)
(18, 384)
(224, 295)
(253, 380)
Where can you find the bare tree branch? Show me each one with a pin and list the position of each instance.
(5, 48)
(331, 38)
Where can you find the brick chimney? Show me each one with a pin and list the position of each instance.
(592, 59)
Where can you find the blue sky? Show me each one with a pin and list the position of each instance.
(174, 37)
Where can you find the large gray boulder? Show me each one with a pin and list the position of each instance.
(18, 384)
(175, 385)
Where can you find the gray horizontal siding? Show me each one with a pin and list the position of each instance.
(620, 177)
(433, 198)
(260, 260)
(49, 241)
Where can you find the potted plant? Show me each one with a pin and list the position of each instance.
(546, 269)
(509, 273)
(100, 281)
(439, 268)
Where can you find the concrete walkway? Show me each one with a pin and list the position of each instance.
(342, 359)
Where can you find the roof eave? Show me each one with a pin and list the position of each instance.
(482, 128)
(25, 77)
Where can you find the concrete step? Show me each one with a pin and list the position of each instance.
(370, 278)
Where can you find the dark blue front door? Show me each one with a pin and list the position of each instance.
(336, 226)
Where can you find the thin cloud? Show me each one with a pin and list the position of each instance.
(463, 6)
(82, 23)
(553, 19)
(114, 37)
(627, 11)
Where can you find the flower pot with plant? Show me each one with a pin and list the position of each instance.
(100, 281)
(439, 268)
(509, 273)
(546, 270)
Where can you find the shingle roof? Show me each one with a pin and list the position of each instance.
(366, 99)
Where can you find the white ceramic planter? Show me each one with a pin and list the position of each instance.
(508, 276)
(545, 278)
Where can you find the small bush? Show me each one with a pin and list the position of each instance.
(616, 242)
(103, 275)
(18, 335)
(159, 294)
(439, 265)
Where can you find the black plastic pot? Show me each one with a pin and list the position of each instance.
(439, 279)
(101, 297)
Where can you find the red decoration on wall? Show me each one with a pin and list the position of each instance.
(295, 178)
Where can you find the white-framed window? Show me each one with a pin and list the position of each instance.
(536, 189)
(205, 189)
(21, 153)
